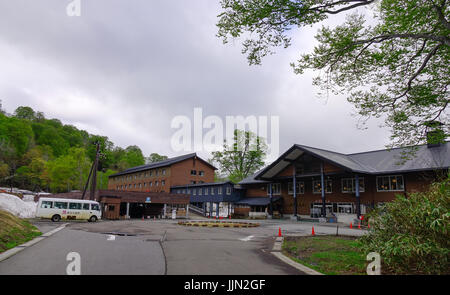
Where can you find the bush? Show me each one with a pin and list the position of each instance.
(412, 233)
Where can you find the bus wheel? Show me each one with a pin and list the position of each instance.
(93, 219)
(56, 218)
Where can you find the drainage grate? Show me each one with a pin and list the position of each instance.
(120, 234)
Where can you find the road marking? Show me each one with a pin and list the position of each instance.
(247, 238)
(111, 238)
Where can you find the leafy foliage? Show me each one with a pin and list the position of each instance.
(412, 233)
(398, 68)
(241, 158)
(39, 153)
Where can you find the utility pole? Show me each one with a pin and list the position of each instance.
(93, 175)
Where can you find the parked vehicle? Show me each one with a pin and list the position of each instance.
(68, 209)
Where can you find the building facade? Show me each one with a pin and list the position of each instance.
(160, 176)
(311, 182)
(211, 199)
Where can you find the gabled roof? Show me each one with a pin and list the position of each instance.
(163, 163)
(372, 162)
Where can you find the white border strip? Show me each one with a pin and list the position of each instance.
(17, 249)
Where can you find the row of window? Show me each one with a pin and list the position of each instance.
(150, 173)
(200, 173)
(205, 191)
(71, 206)
(141, 185)
(390, 183)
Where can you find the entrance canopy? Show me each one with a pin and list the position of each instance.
(257, 201)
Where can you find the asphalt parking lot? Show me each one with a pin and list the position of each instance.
(161, 247)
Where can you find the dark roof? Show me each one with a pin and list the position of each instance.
(372, 162)
(251, 179)
(163, 163)
(202, 184)
(257, 201)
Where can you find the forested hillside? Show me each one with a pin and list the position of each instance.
(37, 153)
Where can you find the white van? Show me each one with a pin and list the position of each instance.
(69, 209)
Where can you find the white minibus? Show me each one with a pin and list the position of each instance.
(69, 209)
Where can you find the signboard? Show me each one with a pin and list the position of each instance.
(148, 200)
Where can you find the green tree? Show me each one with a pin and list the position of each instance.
(155, 157)
(398, 68)
(133, 156)
(242, 157)
(411, 234)
(25, 113)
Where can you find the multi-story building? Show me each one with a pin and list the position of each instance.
(160, 176)
(307, 181)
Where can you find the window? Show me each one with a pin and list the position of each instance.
(85, 206)
(212, 191)
(228, 190)
(206, 190)
(164, 172)
(184, 191)
(200, 191)
(150, 173)
(299, 187)
(47, 204)
(145, 184)
(60, 205)
(156, 183)
(219, 190)
(163, 182)
(150, 183)
(276, 189)
(193, 172)
(194, 191)
(75, 206)
(95, 207)
(188, 190)
(349, 185)
(192, 182)
(140, 185)
(156, 172)
(390, 183)
(201, 173)
(317, 189)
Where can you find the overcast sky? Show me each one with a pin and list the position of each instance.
(126, 68)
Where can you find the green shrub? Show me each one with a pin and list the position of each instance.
(412, 233)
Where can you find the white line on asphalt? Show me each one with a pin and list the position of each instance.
(247, 238)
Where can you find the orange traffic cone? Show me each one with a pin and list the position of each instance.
(351, 226)
(142, 217)
(279, 232)
(313, 233)
(359, 225)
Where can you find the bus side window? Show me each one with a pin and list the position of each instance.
(95, 207)
(75, 206)
(47, 204)
(86, 206)
(61, 205)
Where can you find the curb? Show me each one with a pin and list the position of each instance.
(276, 251)
(5, 255)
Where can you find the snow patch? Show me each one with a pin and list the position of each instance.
(18, 207)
